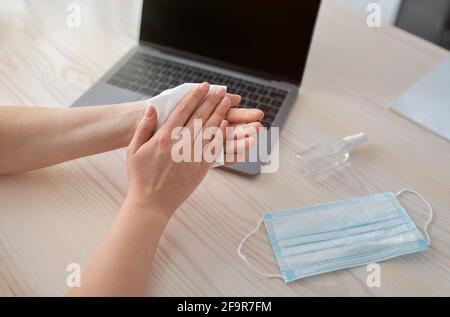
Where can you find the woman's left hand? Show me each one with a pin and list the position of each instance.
(245, 125)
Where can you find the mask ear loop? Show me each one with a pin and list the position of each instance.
(239, 252)
(429, 208)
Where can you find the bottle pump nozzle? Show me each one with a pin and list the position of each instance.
(353, 141)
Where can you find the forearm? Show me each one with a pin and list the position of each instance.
(32, 137)
(121, 265)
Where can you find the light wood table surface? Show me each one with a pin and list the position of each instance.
(58, 215)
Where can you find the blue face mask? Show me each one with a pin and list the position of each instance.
(338, 235)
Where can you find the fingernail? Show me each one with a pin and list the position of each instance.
(220, 92)
(149, 112)
(204, 86)
(261, 114)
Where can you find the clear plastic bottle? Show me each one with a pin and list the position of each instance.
(329, 155)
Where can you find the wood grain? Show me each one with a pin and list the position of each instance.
(58, 215)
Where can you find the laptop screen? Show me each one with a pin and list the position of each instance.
(265, 38)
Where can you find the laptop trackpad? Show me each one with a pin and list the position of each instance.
(102, 94)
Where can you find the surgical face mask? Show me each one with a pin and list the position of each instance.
(339, 235)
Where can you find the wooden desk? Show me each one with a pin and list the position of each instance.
(58, 215)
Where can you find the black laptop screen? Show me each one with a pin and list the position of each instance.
(268, 38)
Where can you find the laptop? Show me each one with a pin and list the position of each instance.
(258, 49)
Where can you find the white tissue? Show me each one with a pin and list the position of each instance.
(166, 101)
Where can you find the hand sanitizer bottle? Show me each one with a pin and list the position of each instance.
(323, 157)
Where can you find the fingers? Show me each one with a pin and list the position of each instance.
(219, 113)
(215, 146)
(216, 117)
(236, 150)
(239, 140)
(240, 145)
(144, 130)
(204, 111)
(243, 130)
(241, 115)
(186, 107)
(235, 99)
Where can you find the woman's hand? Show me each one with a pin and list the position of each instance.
(157, 187)
(156, 181)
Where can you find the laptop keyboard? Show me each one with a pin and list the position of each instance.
(151, 75)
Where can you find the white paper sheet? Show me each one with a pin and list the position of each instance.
(428, 101)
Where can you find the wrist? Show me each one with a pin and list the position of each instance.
(136, 204)
(134, 111)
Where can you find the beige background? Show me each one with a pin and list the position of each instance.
(54, 216)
